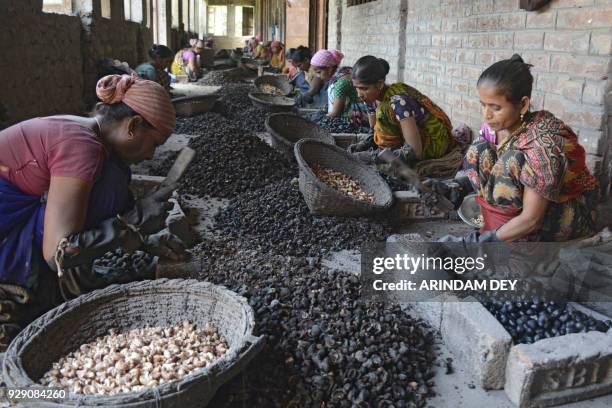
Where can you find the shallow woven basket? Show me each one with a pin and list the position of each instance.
(194, 105)
(272, 103)
(160, 302)
(321, 198)
(277, 81)
(286, 129)
(249, 63)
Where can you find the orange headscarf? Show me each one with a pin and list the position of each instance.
(147, 98)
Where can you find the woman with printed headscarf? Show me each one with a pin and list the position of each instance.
(65, 198)
(186, 60)
(277, 56)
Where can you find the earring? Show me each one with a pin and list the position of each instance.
(522, 116)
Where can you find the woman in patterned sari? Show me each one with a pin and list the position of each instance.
(528, 168)
(403, 119)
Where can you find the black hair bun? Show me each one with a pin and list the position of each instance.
(385, 65)
(517, 58)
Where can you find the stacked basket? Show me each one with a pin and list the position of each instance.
(286, 129)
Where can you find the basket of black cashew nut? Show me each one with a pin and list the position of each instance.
(144, 344)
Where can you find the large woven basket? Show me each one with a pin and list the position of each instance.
(272, 103)
(286, 129)
(277, 81)
(161, 302)
(321, 198)
(194, 105)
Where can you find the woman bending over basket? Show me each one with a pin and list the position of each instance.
(64, 197)
(528, 169)
(403, 118)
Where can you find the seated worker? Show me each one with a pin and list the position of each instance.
(256, 48)
(403, 119)
(290, 69)
(277, 56)
(186, 60)
(316, 95)
(528, 169)
(160, 60)
(304, 75)
(65, 198)
(342, 100)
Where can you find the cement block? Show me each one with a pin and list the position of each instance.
(560, 370)
(478, 340)
(409, 206)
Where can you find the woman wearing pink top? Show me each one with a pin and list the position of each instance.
(64, 197)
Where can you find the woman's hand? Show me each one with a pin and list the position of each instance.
(528, 221)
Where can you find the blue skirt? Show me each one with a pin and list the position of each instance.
(22, 222)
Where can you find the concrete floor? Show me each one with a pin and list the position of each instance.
(453, 390)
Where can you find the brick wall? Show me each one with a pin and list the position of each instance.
(448, 43)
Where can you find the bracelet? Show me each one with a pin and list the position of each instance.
(131, 227)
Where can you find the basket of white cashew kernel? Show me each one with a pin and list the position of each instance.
(144, 344)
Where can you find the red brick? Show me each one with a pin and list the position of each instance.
(577, 42)
(528, 40)
(482, 6)
(461, 85)
(437, 40)
(421, 52)
(501, 40)
(434, 54)
(467, 24)
(436, 68)
(539, 60)
(449, 25)
(447, 55)
(572, 89)
(445, 82)
(537, 101)
(485, 58)
(429, 79)
(594, 92)
(424, 39)
(512, 21)
(412, 39)
(471, 73)
(503, 6)
(466, 56)
(584, 19)
(541, 19)
(550, 82)
(576, 115)
(589, 67)
(470, 104)
(454, 40)
(571, 3)
(489, 23)
(477, 41)
(453, 70)
(453, 99)
(601, 43)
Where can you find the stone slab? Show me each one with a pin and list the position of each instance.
(477, 339)
(559, 370)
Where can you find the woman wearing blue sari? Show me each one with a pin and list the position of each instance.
(64, 197)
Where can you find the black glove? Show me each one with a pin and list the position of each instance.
(149, 214)
(165, 244)
(82, 248)
(454, 189)
(13, 299)
(406, 154)
(362, 146)
(473, 237)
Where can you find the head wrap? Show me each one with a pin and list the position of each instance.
(276, 43)
(147, 98)
(337, 55)
(323, 59)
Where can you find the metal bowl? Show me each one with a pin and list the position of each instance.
(469, 210)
